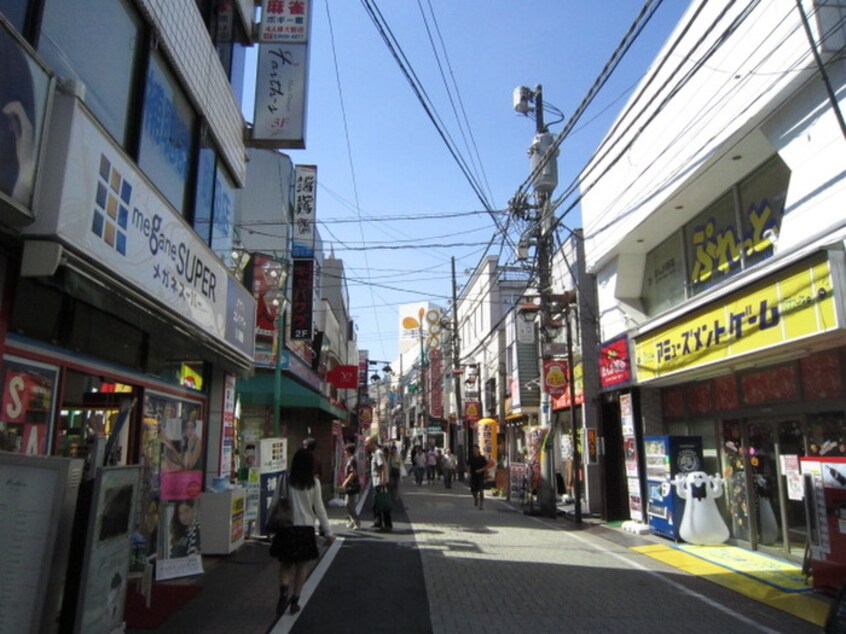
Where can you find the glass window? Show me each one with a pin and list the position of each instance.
(762, 206)
(663, 286)
(229, 39)
(167, 134)
(15, 12)
(215, 204)
(222, 234)
(204, 199)
(713, 244)
(107, 69)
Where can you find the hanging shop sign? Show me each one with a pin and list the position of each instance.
(563, 401)
(472, 411)
(279, 118)
(285, 21)
(302, 299)
(555, 375)
(794, 304)
(436, 383)
(615, 366)
(305, 208)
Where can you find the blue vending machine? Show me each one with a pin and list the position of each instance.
(665, 457)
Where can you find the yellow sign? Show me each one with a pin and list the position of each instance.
(797, 303)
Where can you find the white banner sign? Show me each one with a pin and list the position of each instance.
(280, 104)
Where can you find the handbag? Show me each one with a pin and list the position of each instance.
(280, 515)
(383, 502)
(353, 488)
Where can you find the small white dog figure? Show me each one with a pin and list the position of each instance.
(701, 522)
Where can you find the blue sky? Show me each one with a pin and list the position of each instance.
(388, 187)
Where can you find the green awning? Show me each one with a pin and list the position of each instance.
(258, 390)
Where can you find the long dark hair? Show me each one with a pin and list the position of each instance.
(301, 473)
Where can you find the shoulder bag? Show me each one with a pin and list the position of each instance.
(280, 515)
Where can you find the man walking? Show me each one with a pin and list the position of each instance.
(379, 479)
(478, 466)
(448, 464)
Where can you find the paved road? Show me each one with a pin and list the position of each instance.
(451, 568)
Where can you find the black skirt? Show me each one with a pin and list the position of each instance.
(294, 544)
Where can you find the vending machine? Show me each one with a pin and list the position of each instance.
(667, 456)
(272, 460)
(825, 501)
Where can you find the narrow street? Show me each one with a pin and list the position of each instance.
(449, 567)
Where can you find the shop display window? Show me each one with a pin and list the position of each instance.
(827, 434)
(28, 406)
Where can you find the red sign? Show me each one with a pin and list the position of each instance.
(302, 299)
(343, 377)
(555, 375)
(614, 363)
(472, 411)
(436, 383)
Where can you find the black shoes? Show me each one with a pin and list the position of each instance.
(295, 605)
(282, 603)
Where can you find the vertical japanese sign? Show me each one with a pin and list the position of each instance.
(631, 457)
(228, 436)
(304, 211)
(436, 383)
(302, 301)
(282, 74)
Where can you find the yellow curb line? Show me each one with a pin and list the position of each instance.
(804, 607)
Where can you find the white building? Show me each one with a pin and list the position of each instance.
(714, 225)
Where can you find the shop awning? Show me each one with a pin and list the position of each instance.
(258, 390)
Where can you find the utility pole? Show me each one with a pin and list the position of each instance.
(456, 364)
(542, 156)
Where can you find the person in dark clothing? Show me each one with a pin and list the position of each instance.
(477, 467)
(311, 444)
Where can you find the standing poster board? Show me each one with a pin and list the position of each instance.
(38, 498)
(105, 568)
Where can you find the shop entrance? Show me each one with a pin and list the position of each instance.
(90, 415)
(765, 507)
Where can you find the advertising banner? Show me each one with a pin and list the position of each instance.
(26, 90)
(614, 363)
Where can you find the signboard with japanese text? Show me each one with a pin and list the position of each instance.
(615, 366)
(305, 177)
(302, 299)
(563, 401)
(796, 303)
(100, 205)
(279, 118)
(285, 21)
(555, 374)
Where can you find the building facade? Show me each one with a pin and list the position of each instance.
(717, 243)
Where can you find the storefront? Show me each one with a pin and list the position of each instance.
(123, 335)
(759, 376)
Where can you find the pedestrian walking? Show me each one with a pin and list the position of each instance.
(296, 546)
(352, 486)
(379, 480)
(395, 471)
(431, 465)
(419, 466)
(478, 466)
(448, 465)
